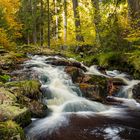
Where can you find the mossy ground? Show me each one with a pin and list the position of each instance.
(9, 130)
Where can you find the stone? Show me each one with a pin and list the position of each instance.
(74, 72)
(28, 88)
(29, 95)
(92, 92)
(67, 63)
(136, 92)
(114, 85)
(38, 109)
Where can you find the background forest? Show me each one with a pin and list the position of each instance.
(80, 28)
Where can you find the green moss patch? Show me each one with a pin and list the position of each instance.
(9, 130)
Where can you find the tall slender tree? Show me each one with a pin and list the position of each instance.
(41, 23)
(34, 14)
(134, 11)
(56, 18)
(65, 21)
(48, 11)
(79, 37)
(97, 20)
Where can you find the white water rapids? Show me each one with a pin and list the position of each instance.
(63, 97)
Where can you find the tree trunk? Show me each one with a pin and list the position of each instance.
(97, 19)
(56, 19)
(41, 23)
(48, 6)
(79, 37)
(28, 38)
(65, 21)
(134, 12)
(34, 22)
(134, 8)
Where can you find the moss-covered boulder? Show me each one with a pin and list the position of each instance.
(10, 61)
(38, 109)
(74, 72)
(9, 130)
(28, 88)
(94, 87)
(136, 92)
(14, 112)
(6, 97)
(92, 92)
(29, 96)
(64, 62)
(11, 109)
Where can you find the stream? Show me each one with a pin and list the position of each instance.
(74, 117)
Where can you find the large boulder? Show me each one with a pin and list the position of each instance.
(11, 109)
(38, 109)
(92, 92)
(63, 62)
(136, 92)
(28, 88)
(74, 72)
(94, 87)
(29, 95)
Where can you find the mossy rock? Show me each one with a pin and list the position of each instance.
(1, 84)
(74, 72)
(4, 78)
(28, 95)
(15, 112)
(28, 88)
(94, 87)
(37, 109)
(92, 92)
(24, 118)
(95, 80)
(6, 97)
(9, 130)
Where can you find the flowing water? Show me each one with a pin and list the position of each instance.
(72, 116)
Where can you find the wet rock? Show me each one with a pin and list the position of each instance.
(94, 87)
(28, 88)
(67, 63)
(38, 109)
(11, 109)
(28, 95)
(11, 61)
(6, 97)
(136, 92)
(9, 130)
(74, 72)
(94, 79)
(114, 86)
(92, 92)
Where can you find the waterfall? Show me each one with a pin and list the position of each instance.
(64, 98)
(61, 95)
